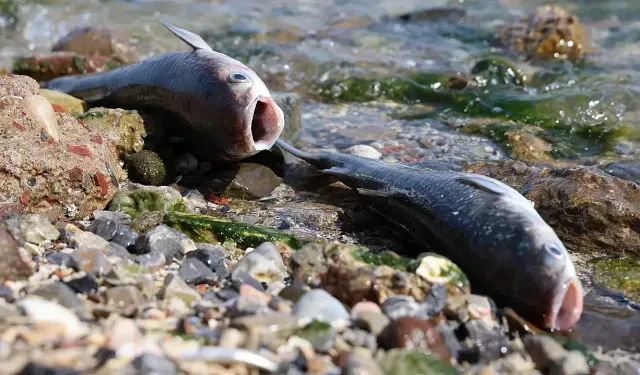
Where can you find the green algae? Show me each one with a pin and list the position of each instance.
(620, 274)
(402, 361)
(384, 259)
(202, 228)
(139, 199)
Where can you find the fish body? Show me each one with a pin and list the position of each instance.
(492, 232)
(225, 110)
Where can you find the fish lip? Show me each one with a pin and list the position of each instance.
(263, 125)
(567, 306)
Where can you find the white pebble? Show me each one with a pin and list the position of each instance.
(364, 151)
(41, 111)
(46, 311)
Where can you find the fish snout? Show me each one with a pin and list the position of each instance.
(263, 125)
(568, 306)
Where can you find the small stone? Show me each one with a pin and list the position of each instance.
(232, 338)
(374, 322)
(364, 151)
(37, 369)
(37, 229)
(573, 363)
(175, 287)
(404, 361)
(125, 237)
(292, 292)
(396, 307)
(360, 338)
(240, 277)
(150, 364)
(163, 239)
(125, 296)
(92, 261)
(214, 259)
(87, 241)
(365, 306)
(6, 294)
(319, 305)
(195, 201)
(124, 337)
(410, 333)
(62, 294)
(544, 351)
(307, 264)
(146, 167)
(487, 342)
(321, 335)
(249, 305)
(264, 263)
(64, 260)
(153, 260)
(434, 301)
(194, 272)
(15, 264)
(50, 312)
(120, 218)
(105, 228)
(252, 181)
(83, 283)
(360, 362)
(116, 251)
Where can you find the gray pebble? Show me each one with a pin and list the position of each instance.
(573, 363)
(126, 238)
(153, 260)
(103, 227)
(264, 264)
(63, 260)
(396, 307)
(62, 294)
(163, 239)
(194, 272)
(320, 305)
(150, 364)
(119, 217)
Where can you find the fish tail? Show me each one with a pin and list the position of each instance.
(294, 151)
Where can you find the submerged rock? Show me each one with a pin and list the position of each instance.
(49, 66)
(97, 41)
(619, 274)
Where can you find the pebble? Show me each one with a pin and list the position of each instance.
(153, 260)
(360, 362)
(120, 218)
(82, 283)
(372, 321)
(397, 306)
(320, 335)
(117, 251)
(434, 301)
(63, 295)
(175, 287)
(150, 364)
(240, 277)
(488, 342)
(319, 305)
(544, 351)
(6, 294)
(92, 260)
(168, 241)
(232, 338)
(87, 241)
(194, 272)
(264, 264)
(573, 363)
(104, 227)
(360, 338)
(46, 311)
(146, 221)
(212, 258)
(62, 259)
(364, 151)
(125, 296)
(126, 238)
(37, 229)
(411, 333)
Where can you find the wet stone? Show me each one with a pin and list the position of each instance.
(307, 264)
(573, 363)
(83, 284)
(544, 351)
(240, 277)
(434, 301)
(214, 259)
(194, 272)
(410, 333)
(146, 167)
(320, 335)
(6, 294)
(319, 305)
(92, 261)
(396, 307)
(153, 260)
(264, 263)
(63, 260)
(252, 181)
(120, 218)
(487, 343)
(150, 364)
(37, 369)
(125, 237)
(146, 221)
(62, 294)
(105, 228)
(163, 239)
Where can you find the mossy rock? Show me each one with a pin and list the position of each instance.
(146, 167)
(134, 199)
(620, 274)
(401, 362)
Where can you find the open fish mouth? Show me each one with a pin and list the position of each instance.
(267, 122)
(567, 308)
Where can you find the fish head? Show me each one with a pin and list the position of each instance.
(247, 111)
(558, 293)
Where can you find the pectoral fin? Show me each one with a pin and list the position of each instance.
(192, 39)
(373, 193)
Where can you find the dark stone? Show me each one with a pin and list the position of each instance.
(162, 239)
(153, 260)
(126, 238)
(226, 294)
(84, 285)
(103, 227)
(240, 277)
(434, 302)
(292, 292)
(360, 338)
(214, 259)
(398, 306)
(63, 260)
(194, 272)
(146, 221)
(115, 250)
(629, 171)
(92, 260)
(6, 294)
(34, 369)
(487, 343)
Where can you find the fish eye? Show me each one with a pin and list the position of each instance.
(238, 78)
(553, 250)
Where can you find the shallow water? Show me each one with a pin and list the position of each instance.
(589, 110)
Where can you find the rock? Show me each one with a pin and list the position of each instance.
(364, 151)
(153, 260)
(114, 250)
(134, 199)
(307, 265)
(92, 260)
(411, 332)
(232, 338)
(97, 41)
(487, 343)
(252, 181)
(528, 147)
(82, 283)
(434, 302)
(33, 369)
(37, 229)
(120, 218)
(42, 311)
(544, 351)
(124, 128)
(15, 263)
(175, 287)
(289, 102)
(195, 201)
(151, 364)
(146, 221)
(194, 272)
(62, 294)
(396, 307)
(105, 228)
(550, 32)
(168, 241)
(214, 259)
(146, 167)
(573, 363)
(64, 260)
(240, 277)
(46, 67)
(629, 171)
(69, 103)
(87, 170)
(125, 237)
(125, 296)
(320, 335)
(401, 361)
(437, 269)
(85, 240)
(359, 338)
(264, 263)
(319, 305)
(590, 210)
(374, 322)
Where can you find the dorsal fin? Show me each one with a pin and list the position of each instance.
(192, 39)
(492, 186)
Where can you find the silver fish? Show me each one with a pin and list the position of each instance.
(492, 232)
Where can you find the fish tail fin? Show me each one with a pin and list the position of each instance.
(192, 39)
(294, 151)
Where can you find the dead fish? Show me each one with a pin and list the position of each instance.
(224, 108)
(492, 232)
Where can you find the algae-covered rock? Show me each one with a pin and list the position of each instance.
(125, 128)
(401, 361)
(590, 210)
(526, 146)
(621, 274)
(146, 167)
(201, 228)
(134, 199)
(496, 70)
(54, 65)
(549, 32)
(71, 104)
